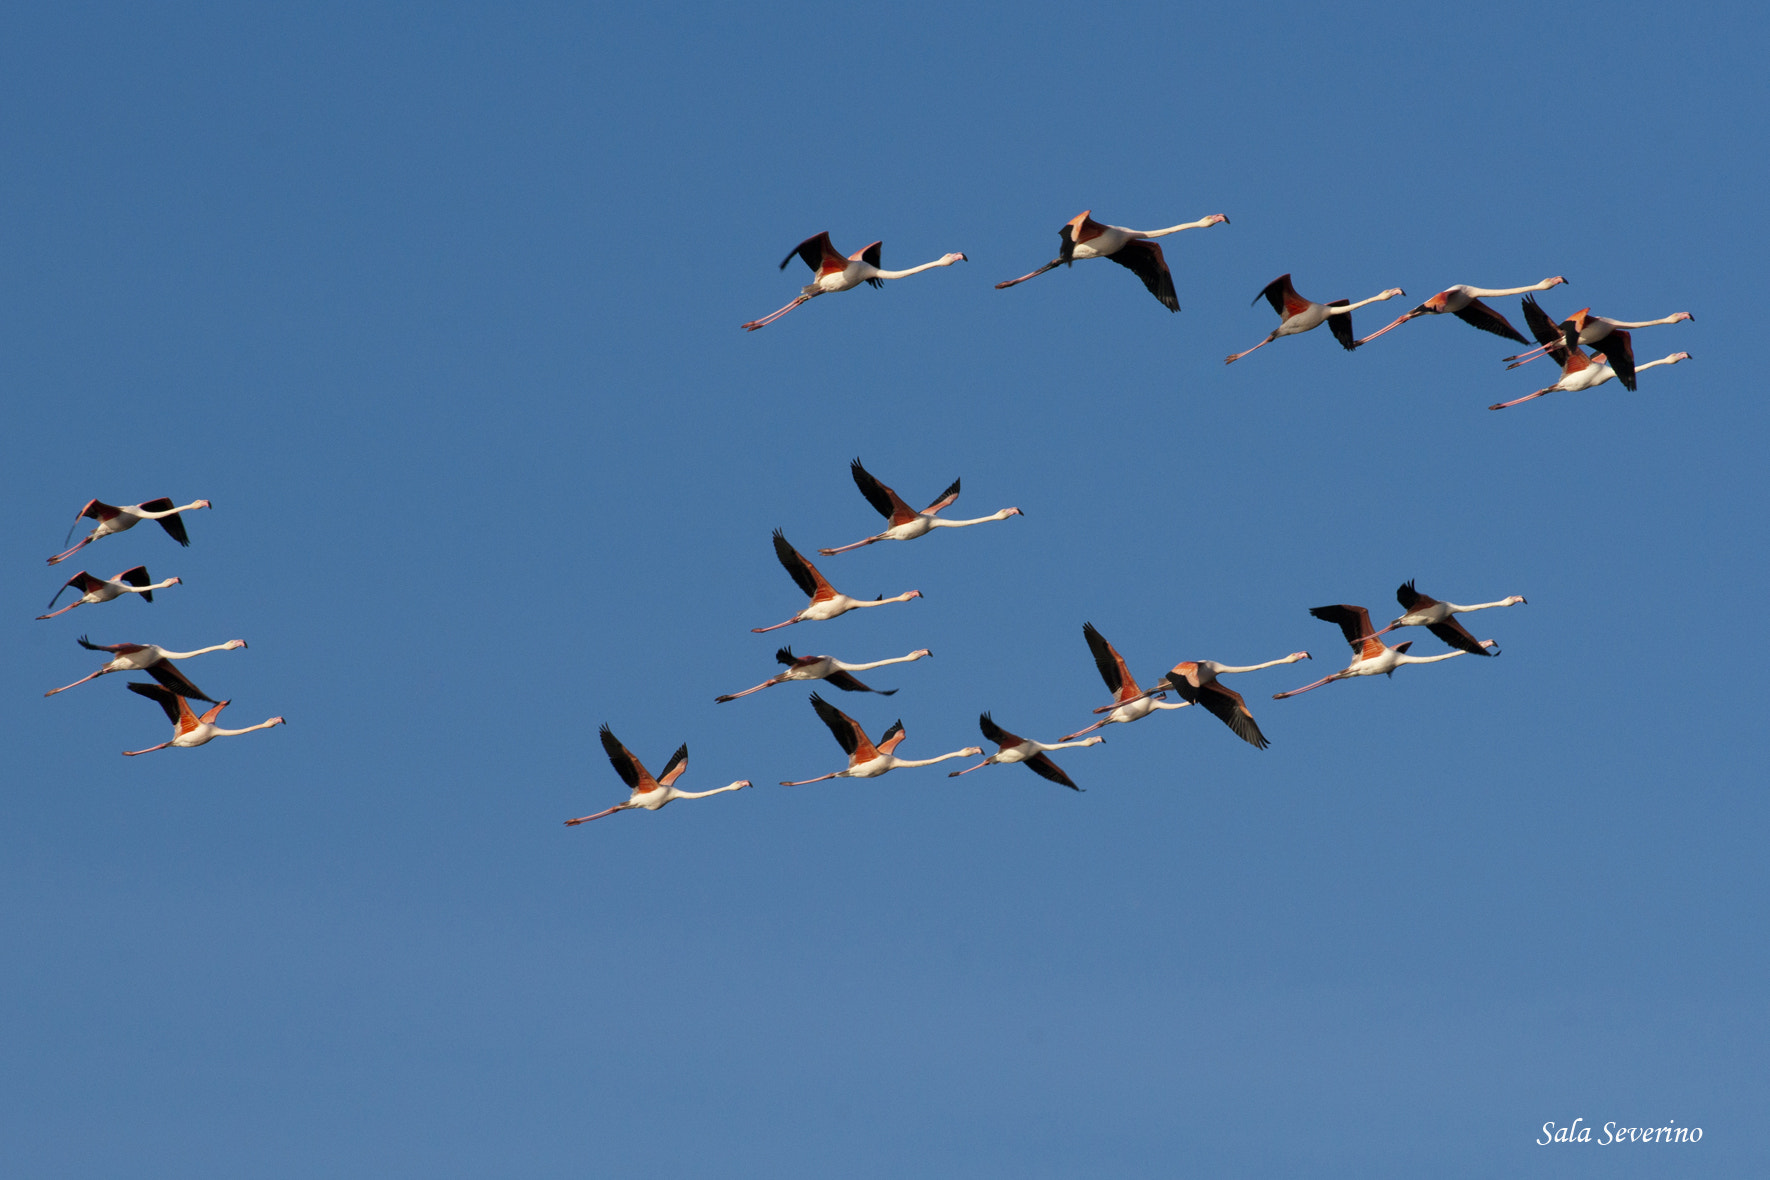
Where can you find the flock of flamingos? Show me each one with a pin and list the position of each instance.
(1591, 350)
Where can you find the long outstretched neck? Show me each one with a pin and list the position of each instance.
(1664, 360)
(1352, 307)
(1671, 319)
(1290, 659)
(773, 315)
(191, 507)
(1484, 293)
(904, 597)
(185, 655)
(1201, 223)
(154, 586)
(899, 763)
(1456, 609)
(1004, 514)
(911, 658)
(249, 728)
(946, 260)
(737, 786)
(1449, 655)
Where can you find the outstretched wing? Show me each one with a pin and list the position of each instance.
(885, 502)
(848, 733)
(847, 683)
(1226, 705)
(1341, 326)
(1283, 297)
(116, 649)
(1620, 354)
(164, 697)
(1078, 229)
(1354, 622)
(167, 673)
(892, 738)
(804, 573)
(1488, 320)
(817, 253)
(1144, 259)
(944, 500)
(673, 769)
(1547, 332)
(871, 256)
(1110, 663)
(137, 577)
(1042, 766)
(93, 509)
(174, 524)
(996, 733)
(84, 582)
(636, 776)
(1453, 633)
(1412, 600)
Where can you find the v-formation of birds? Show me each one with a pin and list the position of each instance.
(1191, 682)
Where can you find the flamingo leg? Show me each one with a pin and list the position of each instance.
(1231, 360)
(1279, 696)
(64, 610)
(584, 819)
(64, 555)
(80, 681)
(774, 315)
(149, 750)
(1078, 733)
(1035, 274)
(776, 627)
(846, 548)
(969, 769)
(1402, 320)
(732, 696)
(1525, 398)
(1524, 358)
(820, 778)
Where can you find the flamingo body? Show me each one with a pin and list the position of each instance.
(94, 589)
(866, 759)
(827, 668)
(1371, 656)
(189, 730)
(1011, 748)
(649, 793)
(1419, 610)
(825, 603)
(1297, 314)
(117, 518)
(833, 272)
(156, 661)
(1464, 302)
(906, 524)
(1083, 238)
(1130, 703)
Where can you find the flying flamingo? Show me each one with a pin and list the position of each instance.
(1084, 238)
(836, 273)
(92, 589)
(865, 760)
(1588, 330)
(156, 661)
(906, 523)
(1582, 372)
(114, 519)
(1371, 656)
(1195, 682)
(824, 668)
(1130, 703)
(189, 729)
(1464, 302)
(1013, 748)
(1436, 617)
(825, 602)
(1298, 314)
(648, 792)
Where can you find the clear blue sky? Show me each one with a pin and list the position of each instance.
(440, 304)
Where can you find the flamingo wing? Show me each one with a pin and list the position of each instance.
(635, 775)
(871, 256)
(1453, 633)
(1411, 599)
(1283, 297)
(1042, 765)
(1354, 622)
(1078, 229)
(167, 673)
(1620, 353)
(848, 733)
(673, 769)
(164, 697)
(1143, 258)
(847, 683)
(138, 576)
(893, 737)
(996, 733)
(944, 500)
(817, 253)
(1545, 330)
(1227, 706)
(1341, 326)
(1109, 662)
(1487, 319)
(174, 524)
(118, 649)
(885, 502)
(804, 573)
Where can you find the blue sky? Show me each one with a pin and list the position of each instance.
(439, 306)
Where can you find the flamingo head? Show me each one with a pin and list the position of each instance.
(970, 751)
(1298, 655)
(923, 654)
(202, 504)
(1515, 599)
(233, 643)
(1216, 219)
(1096, 740)
(175, 581)
(278, 721)
(1679, 356)
(914, 594)
(952, 258)
(1391, 293)
(1556, 281)
(1683, 315)
(742, 783)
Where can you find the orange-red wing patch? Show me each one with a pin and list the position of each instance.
(188, 720)
(1371, 648)
(1083, 228)
(893, 738)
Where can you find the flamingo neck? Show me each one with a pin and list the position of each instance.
(217, 731)
(185, 655)
(914, 270)
(901, 762)
(1201, 223)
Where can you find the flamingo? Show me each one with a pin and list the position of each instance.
(906, 523)
(1085, 238)
(156, 661)
(648, 792)
(1297, 314)
(1371, 656)
(94, 589)
(836, 273)
(1013, 748)
(1464, 302)
(866, 760)
(1436, 617)
(1587, 330)
(112, 518)
(1195, 681)
(189, 729)
(1581, 372)
(825, 602)
(824, 668)
(1130, 703)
